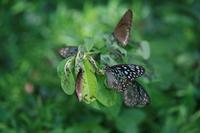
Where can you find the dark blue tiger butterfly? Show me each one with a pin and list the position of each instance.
(68, 51)
(122, 78)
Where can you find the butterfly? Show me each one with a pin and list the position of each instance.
(68, 51)
(120, 75)
(135, 95)
(122, 78)
(122, 31)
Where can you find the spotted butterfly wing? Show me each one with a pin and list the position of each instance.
(118, 76)
(68, 51)
(123, 28)
(135, 95)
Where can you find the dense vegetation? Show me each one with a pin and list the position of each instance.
(31, 97)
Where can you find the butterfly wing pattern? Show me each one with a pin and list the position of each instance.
(135, 95)
(122, 78)
(68, 51)
(122, 31)
(120, 75)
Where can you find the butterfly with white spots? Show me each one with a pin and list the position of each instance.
(68, 51)
(119, 75)
(135, 95)
(122, 78)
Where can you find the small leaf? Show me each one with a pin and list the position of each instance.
(106, 59)
(144, 50)
(65, 72)
(94, 64)
(89, 43)
(111, 111)
(117, 50)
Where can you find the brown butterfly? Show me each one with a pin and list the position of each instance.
(123, 28)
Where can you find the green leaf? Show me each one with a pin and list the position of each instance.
(65, 72)
(90, 84)
(106, 59)
(100, 42)
(112, 111)
(94, 64)
(89, 43)
(144, 50)
(106, 96)
(118, 48)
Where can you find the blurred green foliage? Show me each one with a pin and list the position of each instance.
(31, 98)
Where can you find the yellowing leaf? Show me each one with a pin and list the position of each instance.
(89, 85)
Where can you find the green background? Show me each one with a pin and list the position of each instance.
(31, 99)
